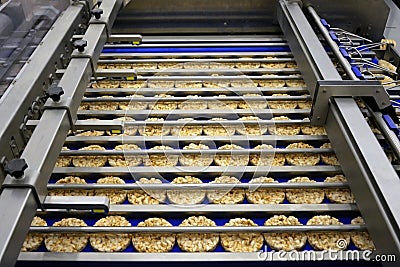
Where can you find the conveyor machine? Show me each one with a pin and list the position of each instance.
(275, 120)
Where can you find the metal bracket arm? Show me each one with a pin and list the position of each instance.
(98, 33)
(93, 203)
(64, 104)
(327, 89)
(110, 8)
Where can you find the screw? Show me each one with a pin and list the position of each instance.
(16, 168)
(80, 45)
(55, 93)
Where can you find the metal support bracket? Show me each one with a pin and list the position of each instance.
(64, 104)
(92, 51)
(11, 182)
(94, 204)
(109, 15)
(327, 89)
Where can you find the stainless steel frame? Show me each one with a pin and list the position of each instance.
(32, 81)
(371, 177)
(46, 141)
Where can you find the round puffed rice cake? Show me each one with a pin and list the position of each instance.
(151, 243)
(115, 196)
(105, 242)
(160, 84)
(148, 197)
(226, 196)
(162, 160)
(327, 240)
(144, 66)
(362, 240)
(127, 129)
(193, 102)
(90, 161)
(106, 84)
(291, 65)
(154, 130)
(338, 195)
(187, 130)
(91, 132)
(247, 65)
(329, 158)
(103, 105)
(266, 159)
(64, 161)
(301, 159)
(304, 104)
(167, 65)
(222, 104)
(288, 129)
(83, 106)
(196, 159)
(219, 130)
(252, 104)
(186, 197)
(133, 84)
(253, 129)
(282, 104)
(312, 130)
(272, 65)
(307, 104)
(241, 242)
(285, 241)
(271, 83)
(217, 83)
(34, 240)
(133, 104)
(245, 82)
(233, 159)
(195, 65)
(123, 66)
(67, 242)
(126, 160)
(295, 83)
(188, 84)
(265, 195)
(306, 195)
(69, 192)
(163, 105)
(198, 242)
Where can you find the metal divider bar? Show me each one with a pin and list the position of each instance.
(206, 186)
(200, 229)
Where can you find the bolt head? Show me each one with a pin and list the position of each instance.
(16, 167)
(97, 12)
(55, 93)
(80, 45)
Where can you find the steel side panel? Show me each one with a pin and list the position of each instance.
(362, 159)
